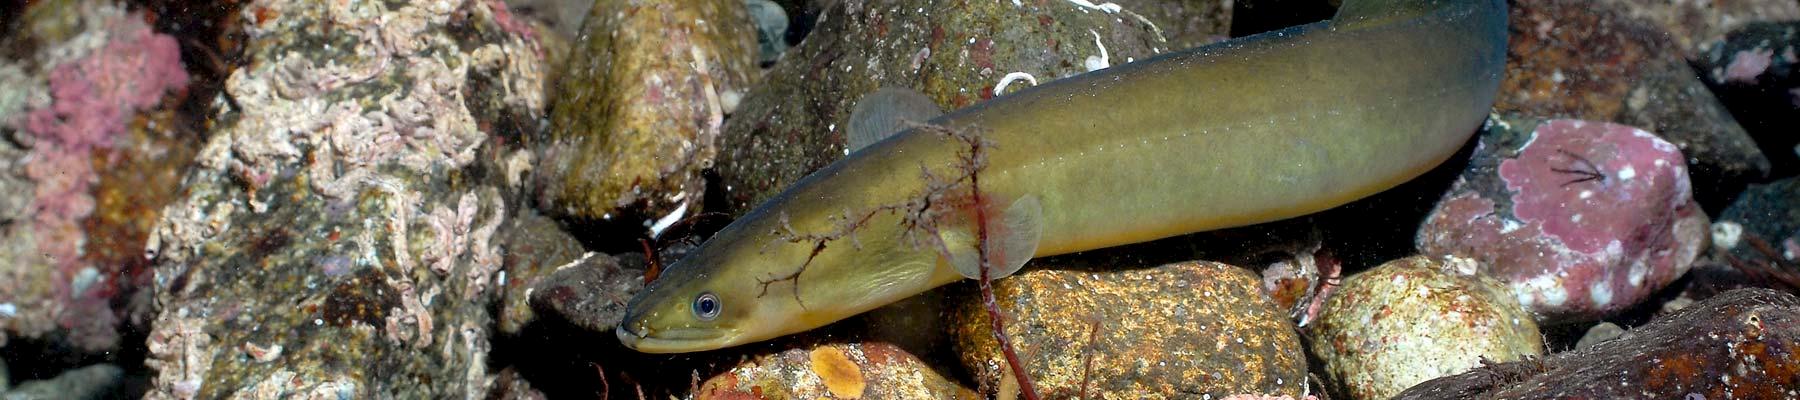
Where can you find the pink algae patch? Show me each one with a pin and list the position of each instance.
(93, 99)
(1746, 65)
(1594, 217)
(1590, 183)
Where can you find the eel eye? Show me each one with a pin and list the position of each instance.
(706, 306)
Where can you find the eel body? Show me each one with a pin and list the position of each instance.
(1245, 131)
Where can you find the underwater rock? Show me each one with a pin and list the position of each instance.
(562, 17)
(871, 370)
(336, 235)
(1594, 61)
(1694, 24)
(98, 381)
(1743, 344)
(1581, 218)
(1182, 329)
(1418, 318)
(1186, 23)
(509, 385)
(1756, 72)
(71, 122)
(954, 52)
(589, 292)
(640, 104)
(771, 29)
(535, 246)
(1756, 241)
(1599, 333)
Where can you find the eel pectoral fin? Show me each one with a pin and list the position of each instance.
(886, 112)
(1012, 240)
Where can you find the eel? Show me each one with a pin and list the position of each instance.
(1245, 131)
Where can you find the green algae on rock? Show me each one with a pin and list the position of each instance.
(1176, 330)
(639, 106)
(336, 236)
(1418, 318)
(871, 370)
(954, 52)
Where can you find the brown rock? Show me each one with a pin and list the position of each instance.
(1743, 344)
(1185, 329)
(1594, 61)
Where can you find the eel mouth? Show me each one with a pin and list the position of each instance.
(674, 340)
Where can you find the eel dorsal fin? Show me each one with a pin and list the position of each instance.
(1013, 239)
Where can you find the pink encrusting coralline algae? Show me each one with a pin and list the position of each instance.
(93, 98)
(1597, 216)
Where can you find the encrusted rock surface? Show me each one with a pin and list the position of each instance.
(1415, 319)
(1743, 344)
(91, 148)
(1581, 218)
(865, 370)
(336, 237)
(1184, 329)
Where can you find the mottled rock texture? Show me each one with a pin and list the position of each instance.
(1415, 319)
(1185, 329)
(1743, 344)
(91, 152)
(639, 108)
(865, 370)
(336, 235)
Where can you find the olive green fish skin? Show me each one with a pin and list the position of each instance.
(1245, 131)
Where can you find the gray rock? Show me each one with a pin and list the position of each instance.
(96, 381)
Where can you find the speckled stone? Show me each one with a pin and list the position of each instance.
(336, 233)
(954, 52)
(1418, 318)
(639, 106)
(1743, 344)
(869, 370)
(1177, 330)
(1596, 61)
(1582, 219)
